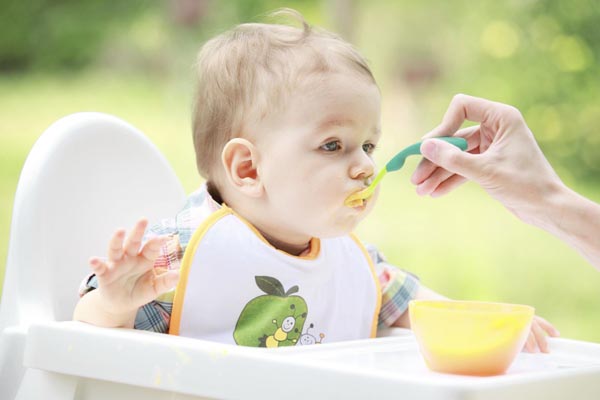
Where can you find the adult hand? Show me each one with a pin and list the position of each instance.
(502, 156)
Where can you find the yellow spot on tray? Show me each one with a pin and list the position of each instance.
(157, 375)
(183, 357)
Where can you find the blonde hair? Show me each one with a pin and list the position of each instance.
(247, 72)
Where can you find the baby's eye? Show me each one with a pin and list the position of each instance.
(368, 148)
(334, 145)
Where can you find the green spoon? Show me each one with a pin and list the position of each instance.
(356, 199)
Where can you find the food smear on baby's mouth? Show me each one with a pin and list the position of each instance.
(355, 203)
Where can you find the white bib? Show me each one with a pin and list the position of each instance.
(236, 288)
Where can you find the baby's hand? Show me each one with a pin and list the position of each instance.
(540, 328)
(126, 279)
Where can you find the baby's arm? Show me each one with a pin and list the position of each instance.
(126, 280)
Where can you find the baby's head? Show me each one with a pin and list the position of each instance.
(288, 117)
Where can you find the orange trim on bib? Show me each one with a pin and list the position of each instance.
(186, 262)
(315, 243)
(377, 285)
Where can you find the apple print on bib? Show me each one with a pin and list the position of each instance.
(273, 319)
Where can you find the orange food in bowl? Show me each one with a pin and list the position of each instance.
(469, 337)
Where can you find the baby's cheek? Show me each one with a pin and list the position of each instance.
(301, 210)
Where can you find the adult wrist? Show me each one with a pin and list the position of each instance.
(547, 209)
(564, 213)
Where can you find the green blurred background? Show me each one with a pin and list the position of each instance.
(135, 59)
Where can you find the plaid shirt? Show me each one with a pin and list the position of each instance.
(398, 287)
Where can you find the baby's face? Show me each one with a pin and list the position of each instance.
(316, 153)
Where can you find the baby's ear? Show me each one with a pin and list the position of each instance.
(239, 158)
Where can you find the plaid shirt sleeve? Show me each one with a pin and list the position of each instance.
(156, 315)
(398, 288)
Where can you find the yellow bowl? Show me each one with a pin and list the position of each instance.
(469, 337)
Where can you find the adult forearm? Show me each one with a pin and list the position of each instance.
(92, 309)
(575, 220)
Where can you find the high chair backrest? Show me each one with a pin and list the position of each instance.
(87, 175)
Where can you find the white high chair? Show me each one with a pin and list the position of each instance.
(90, 173)
(87, 175)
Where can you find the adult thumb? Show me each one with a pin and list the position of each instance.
(450, 158)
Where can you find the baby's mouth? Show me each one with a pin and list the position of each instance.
(355, 203)
(358, 198)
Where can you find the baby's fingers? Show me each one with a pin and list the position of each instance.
(530, 345)
(98, 266)
(115, 246)
(547, 327)
(540, 330)
(165, 282)
(540, 337)
(151, 249)
(134, 240)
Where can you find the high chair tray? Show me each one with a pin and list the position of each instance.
(382, 368)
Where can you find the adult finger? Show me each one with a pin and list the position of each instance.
(433, 181)
(426, 168)
(448, 185)
(452, 158)
(115, 246)
(462, 107)
(134, 239)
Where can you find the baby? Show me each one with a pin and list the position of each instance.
(285, 124)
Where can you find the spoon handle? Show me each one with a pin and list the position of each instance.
(398, 160)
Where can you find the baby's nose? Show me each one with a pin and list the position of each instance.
(363, 168)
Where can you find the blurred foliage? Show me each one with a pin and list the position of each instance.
(59, 34)
(72, 34)
(541, 56)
